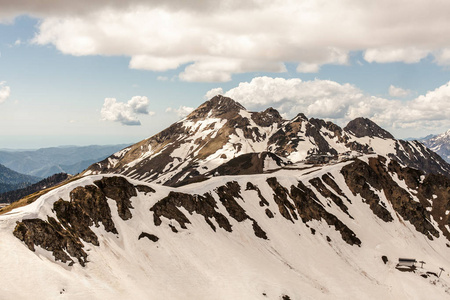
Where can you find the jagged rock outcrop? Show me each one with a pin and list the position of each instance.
(87, 207)
(363, 179)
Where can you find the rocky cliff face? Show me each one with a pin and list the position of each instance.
(220, 130)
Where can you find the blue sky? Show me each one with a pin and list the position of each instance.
(61, 62)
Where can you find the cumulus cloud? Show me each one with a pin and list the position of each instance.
(182, 111)
(5, 91)
(398, 92)
(213, 92)
(212, 40)
(125, 113)
(342, 102)
(221, 42)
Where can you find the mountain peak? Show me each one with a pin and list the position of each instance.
(362, 127)
(217, 106)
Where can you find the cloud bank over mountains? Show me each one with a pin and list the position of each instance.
(212, 40)
(341, 102)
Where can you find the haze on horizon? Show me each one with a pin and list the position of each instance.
(112, 72)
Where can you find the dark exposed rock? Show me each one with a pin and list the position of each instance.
(375, 173)
(89, 202)
(51, 237)
(362, 127)
(309, 208)
(144, 189)
(327, 178)
(360, 178)
(120, 190)
(251, 186)
(355, 146)
(258, 231)
(205, 205)
(385, 259)
(286, 139)
(150, 236)
(280, 196)
(173, 228)
(88, 206)
(425, 160)
(267, 118)
(437, 189)
(244, 164)
(227, 194)
(250, 163)
(317, 183)
(313, 130)
(218, 105)
(269, 213)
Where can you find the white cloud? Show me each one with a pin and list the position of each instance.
(5, 91)
(125, 113)
(182, 111)
(342, 102)
(442, 57)
(213, 92)
(162, 78)
(308, 68)
(388, 55)
(398, 92)
(212, 40)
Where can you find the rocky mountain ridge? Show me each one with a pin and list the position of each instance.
(221, 129)
(439, 144)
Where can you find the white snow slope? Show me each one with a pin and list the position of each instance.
(198, 263)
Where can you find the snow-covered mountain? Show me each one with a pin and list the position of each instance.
(231, 204)
(221, 130)
(305, 231)
(439, 144)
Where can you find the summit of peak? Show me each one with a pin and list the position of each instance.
(217, 106)
(361, 127)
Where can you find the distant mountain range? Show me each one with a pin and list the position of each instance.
(25, 189)
(439, 144)
(11, 180)
(48, 161)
